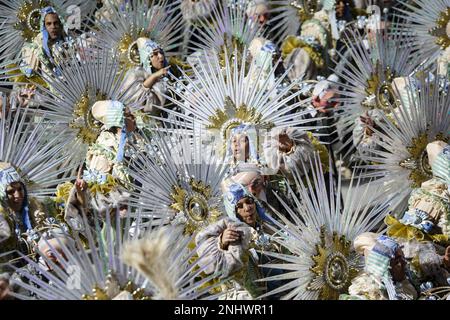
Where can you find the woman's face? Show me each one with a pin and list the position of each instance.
(240, 146)
(157, 59)
(53, 26)
(246, 210)
(16, 196)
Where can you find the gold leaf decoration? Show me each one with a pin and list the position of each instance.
(237, 47)
(292, 42)
(305, 9)
(19, 77)
(128, 49)
(440, 30)
(232, 116)
(380, 86)
(418, 161)
(332, 269)
(29, 17)
(112, 288)
(195, 204)
(321, 150)
(88, 128)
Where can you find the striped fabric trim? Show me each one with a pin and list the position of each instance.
(378, 265)
(114, 115)
(441, 167)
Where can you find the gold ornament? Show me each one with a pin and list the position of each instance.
(19, 77)
(440, 30)
(306, 9)
(321, 150)
(380, 86)
(88, 127)
(112, 288)
(195, 204)
(232, 116)
(333, 270)
(128, 49)
(237, 47)
(418, 161)
(29, 18)
(292, 42)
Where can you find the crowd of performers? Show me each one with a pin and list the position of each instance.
(224, 149)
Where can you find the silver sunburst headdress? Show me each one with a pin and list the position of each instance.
(168, 259)
(288, 16)
(159, 21)
(366, 72)
(429, 22)
(29, 153)
(101, 272)
(223, 94)
(180, 181)
(400, 158)
(318, 234)
(228, 27)
(20, 20)
(81, 83)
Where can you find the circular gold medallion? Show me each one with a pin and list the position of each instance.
(34, 20)
(133, 54)
(425, 165)
(385, 97)
(336, 271)
(196, 207)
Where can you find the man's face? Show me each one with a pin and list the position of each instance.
(246, 209)
(16, 195)
(398, 264)
(240, 146)
(52, 256)
(123, 211)
(53, 26)
(157, 59)
(24, 96)
(340, 9)
(256, 186)
(262, 18)
(260, 14)
(326, 101)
